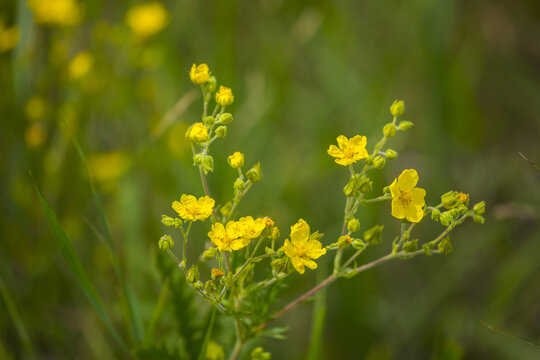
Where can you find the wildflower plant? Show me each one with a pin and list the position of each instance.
(237, 248)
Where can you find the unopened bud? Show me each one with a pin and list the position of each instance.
(209, 254)
(479, 208)
(436, 214)
(221, 131)
(358, 244)
(446, 218)
(239, 184)
(167, 220)
(353, 225)
(463, 199)
(198, 285)
(379, 162)
(373, 235)
(445, 246)
(410, 246)
(274, 234)
(479, 219)
(210, 287)
(236, 160)
(192, 274)
(391, 154)
(209, 120)
(386, 190)
(197, 159)
(389, 130)
(397, 108)
(208, 163)
(165, 242)
(210, 85)
(344, 241)
(217, 274)
(405, 125)
(254, 174)
(225, 118)
(450, 199)
(225, 210)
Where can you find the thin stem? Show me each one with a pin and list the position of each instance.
(238, 344)
(374, 200)
(185, 243)
(206, 190)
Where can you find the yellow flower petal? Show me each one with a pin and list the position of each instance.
(344, 162)
(394, 189)
(299, 233)
(417, 196)
(289, 250)
(397, 209)
(413, 213)
(334, 151)
(309, 263)
(358, 141)
(408, 179)
(298, 264)
(342, 141)
(314, 249)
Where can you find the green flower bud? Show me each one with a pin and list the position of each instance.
(209, 254)
(479, 219)
(358, 244)
(167, 220)
(389, 130)
(254, 174)
(369, 160)
(208, 164)
(405, 125)
(344, 241)
(373, 235)
(410, 246)
(210, 287)
(446, 218)
(225, 118)
(435, 214)
(428, 247)
(386, 190)
(445, 246)
(165, 242)
(221, 131)
(274, 234)
(348, 190)
(210, 85)
(450, 199)
(225, 210)
(197, 159)
(479, 208)
(239, 184)
(198, 285)
(259, 354)
(209, 120)
(192, 274)
(277, 265)
(228, 280)
(391, 154)
(353, 225)
(364, 185)
(461, 209)
(397, 108)
(379, 162)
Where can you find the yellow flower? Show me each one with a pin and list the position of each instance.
(147, 19)
(250, 228)
(189, 208)
(407, 200)
(301, 250)
(199, 74)
(236, 160)
(224, 96)
(57, 12)
(9, 37)
(80, 65)
(198, 133)
(350, 150)
(228, 238)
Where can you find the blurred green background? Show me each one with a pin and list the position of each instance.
(302, 74)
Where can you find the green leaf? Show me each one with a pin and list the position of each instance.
(204, 346)
(75, 266)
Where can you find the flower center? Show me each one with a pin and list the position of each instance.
(349, 153)
(405, 197)
(300, 252)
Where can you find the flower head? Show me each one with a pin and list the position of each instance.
(199, 74)
(9, 37)
(224, 96)
(236, 160)
(350, 150)
(193, 209)
(80, 64)
(250, 228)
(229, 237)
(407, 200)
(147, 19)
(56, 12)
(198, 133)
(301, 250)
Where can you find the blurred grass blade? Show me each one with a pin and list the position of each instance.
(317, 330)
(506, 333)
(75, 266)
(134, 315)
(204, 346)
(529, 161)
(158, 310)
(19, 325)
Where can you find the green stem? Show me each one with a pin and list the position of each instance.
(238, 344)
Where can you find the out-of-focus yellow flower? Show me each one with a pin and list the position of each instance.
(147, 19)
(193, 209)
(224, 96)
(35, 108)
(301, 250)
(250, 228)
(34, 135)
(109, 165)
(198, 133)
(199, 74)
(236, 160)
(350, 150)
(214, 351)
(56, 12)
(229, 237)
(407, 200)
(9, 37)
(80, 64)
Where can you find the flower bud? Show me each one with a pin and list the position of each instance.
(239, 184)
(225, 118)
(389, 130)
(450, 199)
(209, 254)
(277, 264)
(435, 214)
(364, 185)
(358, 244)
(217, 274)
(209, 120)
(405, 125)
(229, 280)
(199, 74)
(210, 287)
(463, 199)
(446, 218)
(386, 190)
(236, 160)
(197, 159)
(344, 241)
(274, 234)
(410, 246)
(198, 285)
(221, 131)
(192, 274)
(391, 154)
(165, 242)
(210, 85)
(397, 108)
(225, 210)
(479, 208)
(259, 354)
(198, 133)
(224, 96)
(208, 163)
(379, 162)
(167, 220)
(445, 246)
(479, 219)
(353, 225)
(461, 209)
(254, 174)
(373, 235)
